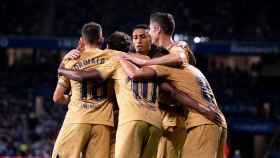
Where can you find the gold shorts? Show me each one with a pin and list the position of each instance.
(137, 139)
(76, 139)
(205, 141)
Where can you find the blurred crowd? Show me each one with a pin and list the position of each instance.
(29, 119)
(218, 20)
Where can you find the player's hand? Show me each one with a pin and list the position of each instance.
(213, 115)
(73, 54)
(81, 46)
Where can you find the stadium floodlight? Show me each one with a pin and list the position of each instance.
(176, 37)
(180, 37)
(196, 39)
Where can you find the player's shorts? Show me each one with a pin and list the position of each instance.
(76, 139)
(171, 144)
(205, 141)
(137, 139)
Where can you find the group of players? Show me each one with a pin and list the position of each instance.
(166, 106)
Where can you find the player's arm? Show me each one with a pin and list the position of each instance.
(171, 59)
(99, 74)
(77, 75)
(187, 101)
(59, 97)
(63, 84)
(80, 75)
(136, 55)
(136, 73)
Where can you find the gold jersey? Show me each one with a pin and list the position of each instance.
(183, 49)
(90, 102)
(190, 80)
(136, 100)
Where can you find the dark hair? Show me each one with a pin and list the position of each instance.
(141, 26)
(119, 41)
(192, 58)
(165, 20)
(91, 32)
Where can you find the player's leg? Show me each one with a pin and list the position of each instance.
(162, 147)
(99, 142)
(171, 144)
(129, 139)
(222, 144)
(202, 142)
(113, 134)
(71, 140)
(113, 142)
(151, 142)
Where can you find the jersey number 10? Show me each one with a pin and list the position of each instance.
(145, 90)
(92, 90)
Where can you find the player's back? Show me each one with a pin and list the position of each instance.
(136, 100)
(191, 81)
(91, 102)
(89, 59)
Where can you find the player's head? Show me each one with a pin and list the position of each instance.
(119, 41)
(141, 39)
(161, 24)
(91, 34)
